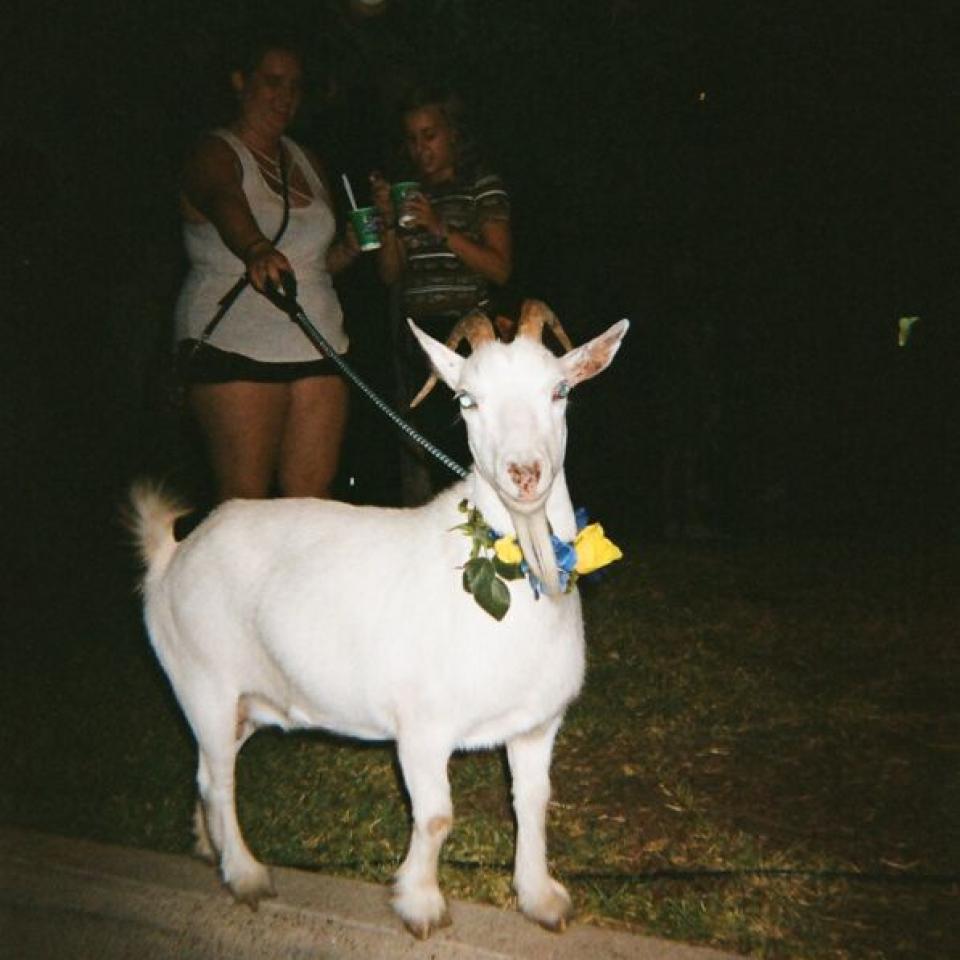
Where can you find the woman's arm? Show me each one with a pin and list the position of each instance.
(341, 253)
(492, 257)
(391, 257)
(213, 188)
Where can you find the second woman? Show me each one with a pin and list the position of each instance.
(454, 250)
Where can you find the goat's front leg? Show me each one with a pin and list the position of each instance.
(417, 897)
(541, 898)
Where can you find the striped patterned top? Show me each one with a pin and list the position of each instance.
(435, 280)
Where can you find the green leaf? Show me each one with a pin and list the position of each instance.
(509, 571)
(493, 596)
(477, 572)
(490, 592)
(500, 594)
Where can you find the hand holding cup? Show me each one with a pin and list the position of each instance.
(351, 242)
(366, 223)
(402, 193)
(380, 194)
(422, 214)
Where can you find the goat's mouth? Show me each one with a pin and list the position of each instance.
(525, 505)
(525, 486)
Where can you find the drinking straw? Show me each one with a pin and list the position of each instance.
(349, 189)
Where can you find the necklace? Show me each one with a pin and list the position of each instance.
(265, 157)
(273, 171)
(275, 181)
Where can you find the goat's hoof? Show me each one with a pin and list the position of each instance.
(422, 911)
(555, 926)
(252, 887)
(551, 907)
(423, 929)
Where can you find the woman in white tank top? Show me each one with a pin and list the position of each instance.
(272, 411)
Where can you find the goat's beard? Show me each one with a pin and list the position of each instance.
(533, 532)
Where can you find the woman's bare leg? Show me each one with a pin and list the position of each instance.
(243, 423)
(312, 436)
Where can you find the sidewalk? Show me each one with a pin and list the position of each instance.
(78, 900)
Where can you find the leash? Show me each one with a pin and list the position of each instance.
(286, 300)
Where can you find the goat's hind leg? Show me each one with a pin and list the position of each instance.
(218, 831)
(203, 847)
(417, 897)
(541, 898)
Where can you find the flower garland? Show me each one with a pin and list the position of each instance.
(495, 558)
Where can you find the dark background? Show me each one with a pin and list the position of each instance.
(763, 188)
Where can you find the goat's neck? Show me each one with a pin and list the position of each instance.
(559, 509)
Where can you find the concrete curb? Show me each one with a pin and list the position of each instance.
(74, 899)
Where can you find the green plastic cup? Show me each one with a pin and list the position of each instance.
(366, 222)
(400, 193)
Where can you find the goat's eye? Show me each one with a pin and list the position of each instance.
(561, 391)
(466, 401)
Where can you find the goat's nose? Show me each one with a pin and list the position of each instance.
(526, 476)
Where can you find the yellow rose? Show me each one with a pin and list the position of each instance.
(594, 550)
(508, 551)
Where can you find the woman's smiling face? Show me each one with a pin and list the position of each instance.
(431, 143)
(271, 94)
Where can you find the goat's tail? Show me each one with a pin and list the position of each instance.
(149, 516)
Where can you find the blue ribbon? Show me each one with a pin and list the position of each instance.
(563, 551)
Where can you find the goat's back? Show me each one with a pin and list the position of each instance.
(355, 619)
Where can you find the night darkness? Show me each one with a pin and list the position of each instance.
(763, 188)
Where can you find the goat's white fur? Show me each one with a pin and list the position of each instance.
(309, 613)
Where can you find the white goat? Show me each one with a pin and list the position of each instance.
(309, 613)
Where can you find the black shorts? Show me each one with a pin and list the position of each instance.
(201, 363)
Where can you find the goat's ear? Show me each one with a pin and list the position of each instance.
(445, 361)
(594, 357)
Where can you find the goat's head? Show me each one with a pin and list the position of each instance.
(514, 398)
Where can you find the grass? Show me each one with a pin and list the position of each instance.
(764, 757)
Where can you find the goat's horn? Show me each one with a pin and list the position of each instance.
(476, 327)
(533, 315)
